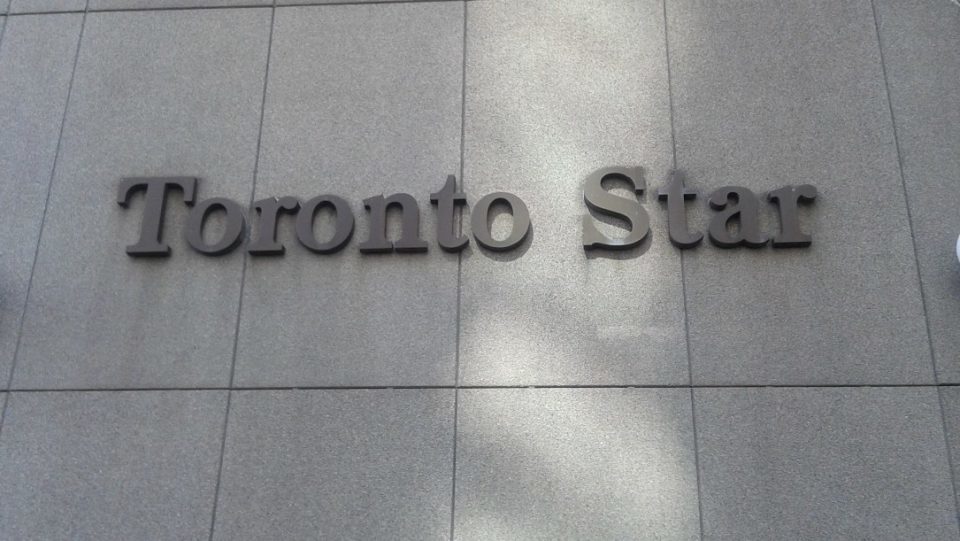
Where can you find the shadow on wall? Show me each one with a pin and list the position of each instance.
(542, 463)
(618, 462)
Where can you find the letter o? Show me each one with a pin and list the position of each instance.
(344, 225)
(231, 234)
(481, 212)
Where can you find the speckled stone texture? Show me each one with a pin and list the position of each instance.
(314, 2)
(920, 40)
(43, 6)
(950, 401)
(110, 465)
(540, 393)
(551, 97)
(361, 101)
(156, 4)
(350, 464)
(774, 93)
(36, 61)
(575, 464)
(158, 93)
(823, 463)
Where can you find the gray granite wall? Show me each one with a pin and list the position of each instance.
(540, 393)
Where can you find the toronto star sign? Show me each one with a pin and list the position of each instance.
(735, 222)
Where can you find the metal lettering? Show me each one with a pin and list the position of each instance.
(410, 240)
(447, 200)
(269, 210)
(151, 242)
(481, 213)
(740, 204)
(788, 199)
(343, 227)
(600, 200)
(675, 195)
(232, 233)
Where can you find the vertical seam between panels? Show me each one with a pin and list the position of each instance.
(906, 196)
(6, 396)
(456, 388)
(43, 216)
(243, 272)
(916, 256)
(683, 280)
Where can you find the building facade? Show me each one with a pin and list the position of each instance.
(541, 391)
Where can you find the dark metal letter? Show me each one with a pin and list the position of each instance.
(410, 240)
(746, 210)
(231, 234)
(675, 194)
(605, 202)
(151, 225)
(269, 209)
(344, 225)
(787, 200)
(481, 213)
(447, 199)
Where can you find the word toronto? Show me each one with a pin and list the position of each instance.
(736, 221)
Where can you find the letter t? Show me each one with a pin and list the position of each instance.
(447, 199)
(155, 199)
(675, 195)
